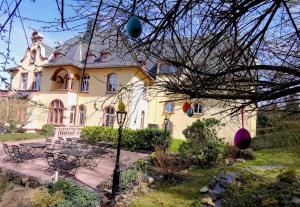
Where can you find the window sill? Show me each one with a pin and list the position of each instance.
(168, 113)
(84, 92)
(28, 90)
(68, 90)
(111, 92)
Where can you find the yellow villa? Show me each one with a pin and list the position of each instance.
(50, 78)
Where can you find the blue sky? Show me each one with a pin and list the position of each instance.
(45, 10)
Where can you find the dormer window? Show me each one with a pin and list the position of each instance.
(24, 78)
(91, 58)
(85, 83)
(111, 83)
(167, 69)
(163, 69)
(104, 56)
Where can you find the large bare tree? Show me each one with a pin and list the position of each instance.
(240, 51)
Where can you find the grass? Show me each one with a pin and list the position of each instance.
(175, 143)
(19, 136)
(187, 194)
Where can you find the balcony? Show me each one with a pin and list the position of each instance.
(62, 80)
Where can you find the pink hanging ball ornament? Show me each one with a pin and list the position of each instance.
(242, 138)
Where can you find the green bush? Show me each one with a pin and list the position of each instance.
(12, 128)
(141, 139)
(75, 196)
(40, 197)
(203, 145)
(19, 136)
(47, 130)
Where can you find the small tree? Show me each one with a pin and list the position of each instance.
(203, 146)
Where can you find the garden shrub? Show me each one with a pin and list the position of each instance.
(141, 139)
(75, 196)
(40, 197)
(47, 130)
(12, 128)
(203, 145)
(19, 136)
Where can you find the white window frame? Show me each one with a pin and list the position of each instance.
(85, 83)
(196, 110)
(111, 83)
(109, 117)
(24, 82)
(37, 81)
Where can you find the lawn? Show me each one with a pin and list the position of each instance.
(175, 143)
(187, 194)
(19, 136)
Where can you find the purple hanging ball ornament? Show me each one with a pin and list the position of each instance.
(242, 138)
(190, 112)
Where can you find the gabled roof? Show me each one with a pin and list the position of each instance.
(105, 52)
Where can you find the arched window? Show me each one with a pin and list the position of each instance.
(72, 115)
(169, 107)
(56, 112)
(82, 112)
(198, 108)
(111, 82)
(142, 120)
(109, 116)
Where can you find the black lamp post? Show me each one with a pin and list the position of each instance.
(121, 116)
(166, 122)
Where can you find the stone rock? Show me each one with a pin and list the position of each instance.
(218, 189)
(240, 160)
(296, 193)
(229, 177)
(150, 180)
(218, 203)
(207, 200)
(144, 188)
(204, 189)
(296, 201)
(24, 180)
(211, 183)
(281, 185)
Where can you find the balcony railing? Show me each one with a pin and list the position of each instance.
(73, 132)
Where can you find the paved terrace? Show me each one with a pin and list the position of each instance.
(90, 177)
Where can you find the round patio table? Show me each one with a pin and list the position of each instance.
(31, 147)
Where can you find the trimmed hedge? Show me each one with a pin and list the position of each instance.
(140, 139)
(19, 136)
